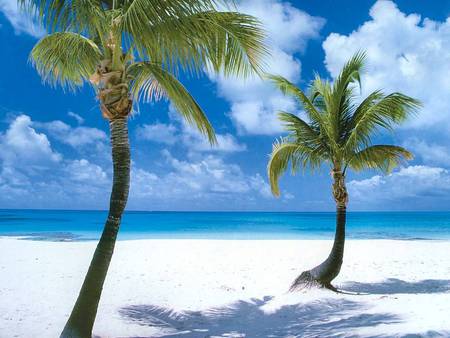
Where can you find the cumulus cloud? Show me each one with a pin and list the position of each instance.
(253, 101)
(406, 53)
(13, 183)
(188, 136)
(210, 174)
(429, 152)
(86, 172)
(158, 132)
(23, 146)
(207, 181)
(421, 185)
(21, 21)
(75, 137)
(71, 184)
(58, 182)
(194, 141)
(34, 175)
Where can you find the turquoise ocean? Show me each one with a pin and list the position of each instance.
(61, 225)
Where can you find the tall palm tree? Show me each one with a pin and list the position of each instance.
(130, 50)
(337, 132)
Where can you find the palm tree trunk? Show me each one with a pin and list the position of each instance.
(324, 273)
(81, 320)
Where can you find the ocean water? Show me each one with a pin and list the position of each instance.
(87, 225)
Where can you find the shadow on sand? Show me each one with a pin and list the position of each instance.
(324, 318)
(393, 286)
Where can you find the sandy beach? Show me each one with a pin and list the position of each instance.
(226, 288)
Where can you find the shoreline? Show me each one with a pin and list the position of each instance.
(73, 237)
(223, 286)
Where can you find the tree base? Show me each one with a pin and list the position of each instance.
(306, 280)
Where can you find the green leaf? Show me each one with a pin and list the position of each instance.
(151, 81)
(289, 88)
(68, 59)
(383, 157)
(379, 111)
(228, 42)
(63, 15)
(298, 155)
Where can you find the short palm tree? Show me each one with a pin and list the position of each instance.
(130, 50)
(338, 133)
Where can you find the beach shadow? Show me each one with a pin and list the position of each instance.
(324, 318)
(397, 286)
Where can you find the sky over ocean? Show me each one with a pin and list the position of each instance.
(54, 150)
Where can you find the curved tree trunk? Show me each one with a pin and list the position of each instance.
(323, 274)
(81, 320)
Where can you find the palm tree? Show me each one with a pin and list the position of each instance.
(130, 50)
(338, 131)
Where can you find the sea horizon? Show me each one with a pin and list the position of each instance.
(75, 225)
(234, 211)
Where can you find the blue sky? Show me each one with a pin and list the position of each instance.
(54, 145)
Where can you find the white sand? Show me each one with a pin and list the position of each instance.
(238, 289)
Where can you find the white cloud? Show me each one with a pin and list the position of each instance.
(406, 54)
(76, 137)
(431, 153)
(158, 132)
(14, 186)
(210, 174)
(225, 143)
(21, 21)
(33, 175)
(77, 117)
(259, 117)
(196, 142)
(409, 183)
(70, 184)
(254, 102)
(188, 136)
(203, 180)
(257, 183)
(22, 145)
(31, 168)
(366, 184)
(85, 172)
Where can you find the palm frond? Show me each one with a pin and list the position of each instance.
(152, 81)
(68, 59)
(379, 111)
(383, 157)
(225, 41)
(303, 132)
(289, 88)
(320, 94)
(350, 73)
(155, 11)
(284, 152)
(73, 15)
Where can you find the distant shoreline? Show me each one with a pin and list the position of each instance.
(68, 238)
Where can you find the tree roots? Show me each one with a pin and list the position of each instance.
(306, 280)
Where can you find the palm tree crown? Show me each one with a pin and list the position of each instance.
(138, 47)
(338, 131)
